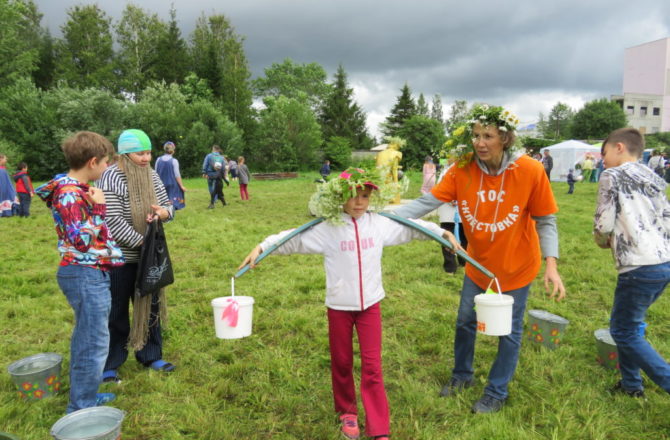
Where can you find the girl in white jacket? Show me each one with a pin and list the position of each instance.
(351, 241)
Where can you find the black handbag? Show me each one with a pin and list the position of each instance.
(155, 268)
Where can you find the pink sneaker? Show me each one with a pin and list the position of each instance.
(350, 426)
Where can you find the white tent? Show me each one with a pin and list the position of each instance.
(566, 155)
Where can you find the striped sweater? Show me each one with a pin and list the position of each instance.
(115, 186)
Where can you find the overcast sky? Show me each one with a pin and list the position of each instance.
(523, 54)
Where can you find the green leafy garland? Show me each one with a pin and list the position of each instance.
(330, 196)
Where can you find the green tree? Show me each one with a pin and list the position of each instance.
(28, 122)
(424, 136)
(86, 109)
(338, 151)
(18, 52)
(403, 109)
(341, 116)
(542, 125)
(217, 55)
(138, 34)
(45, 73)
(304, 82)
(196, 88)
(203, 54)
(457, 114)
(237, 98)
(289, 136)
(436, 112)
(422, 106)
(597, 119)
(85, 57)
(165, 113)
(558, 122)
(37, 38)
(172, 59)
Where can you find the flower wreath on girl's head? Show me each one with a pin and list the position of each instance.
(460, 147)
(330, 196)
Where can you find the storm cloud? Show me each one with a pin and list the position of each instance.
(523, 54)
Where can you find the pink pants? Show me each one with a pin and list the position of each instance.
(244, 195)
(340, 333)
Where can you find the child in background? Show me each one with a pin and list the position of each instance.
(633, 219)
(571, 181)
(449, 221)
(428, 175)
(244, 177)
(7, 191)
(351, 241)
(88, 252)
(325, 170)
(24, 189)
(232, 168)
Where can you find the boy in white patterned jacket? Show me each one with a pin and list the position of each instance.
(633, 219)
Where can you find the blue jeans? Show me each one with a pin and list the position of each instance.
(24, 204)
(508, 346)
(87, 291)
(635, 292)
(211, 186)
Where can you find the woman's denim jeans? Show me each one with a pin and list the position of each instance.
(636, 290)
(87, 291)
(508, 346)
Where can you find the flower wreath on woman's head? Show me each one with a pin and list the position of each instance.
(460, 147)
(330, 196)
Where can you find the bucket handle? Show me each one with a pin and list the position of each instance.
(497, 285)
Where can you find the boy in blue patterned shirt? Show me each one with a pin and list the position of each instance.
(88, 252)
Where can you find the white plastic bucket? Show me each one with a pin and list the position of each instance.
(225, 324)
(494, 314)
(96, 423)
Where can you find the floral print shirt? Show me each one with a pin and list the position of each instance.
(633, 216)
(83, 237)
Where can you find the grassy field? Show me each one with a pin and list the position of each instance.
(276, 383)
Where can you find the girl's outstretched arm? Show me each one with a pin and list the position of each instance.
(251, 258)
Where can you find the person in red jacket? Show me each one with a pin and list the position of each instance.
(24, 189)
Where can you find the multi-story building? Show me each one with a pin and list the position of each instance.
(646, 86)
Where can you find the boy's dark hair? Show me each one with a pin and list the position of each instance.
(83, 146)
(216, 148)
(630, 137)
(21, 165)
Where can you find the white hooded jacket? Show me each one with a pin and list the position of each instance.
(352, 255)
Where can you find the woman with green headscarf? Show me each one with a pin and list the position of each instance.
(135, 195)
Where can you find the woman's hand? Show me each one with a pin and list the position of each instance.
(158, 212)
(551, 276)
(451, 238)
(251, 258)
